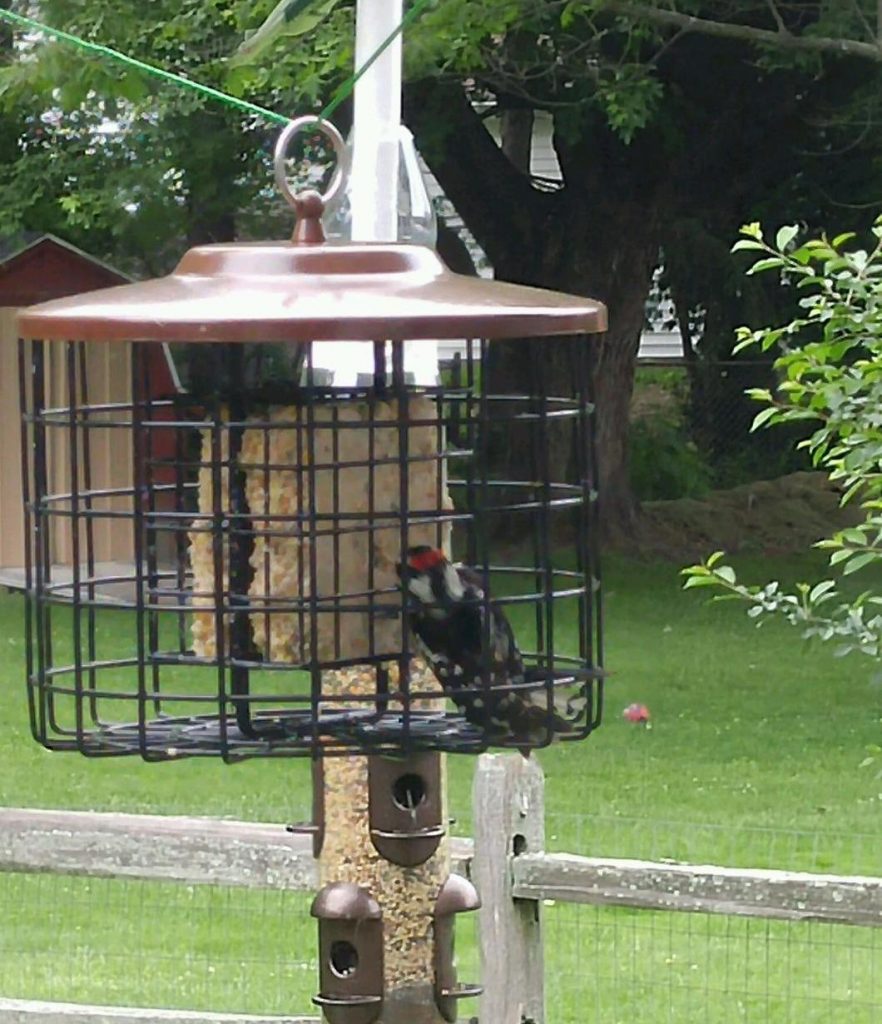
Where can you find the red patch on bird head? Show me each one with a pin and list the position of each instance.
(425, 560)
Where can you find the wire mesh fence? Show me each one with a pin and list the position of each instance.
(624, 966)
(727, 845)
(135, 943)
(127, 942)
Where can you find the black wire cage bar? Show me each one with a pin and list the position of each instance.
(258, 514)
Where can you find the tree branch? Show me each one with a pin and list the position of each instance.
(731, 30)
(468, 156)
(864, 20)
(776, 14)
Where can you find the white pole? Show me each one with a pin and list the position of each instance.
(376, 140)
(374, 170)
(375, 174)
(376, 120)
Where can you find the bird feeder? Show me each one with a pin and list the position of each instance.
(262, 615)
(350, 954)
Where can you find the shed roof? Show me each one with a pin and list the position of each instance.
(35, 267)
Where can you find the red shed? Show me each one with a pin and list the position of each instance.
(34, 269)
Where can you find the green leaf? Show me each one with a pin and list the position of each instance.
(73, 92)
(133, 87)
(700, 581)
(759, 394)
(767, 264)
(568, 14)
(785, 236)
(853, 536)
(288, 18)
(763, 417)
(859, 562)
(820, 250)
(748, 243)
(820, 589)
(746, 342)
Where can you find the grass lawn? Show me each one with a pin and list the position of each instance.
(752, 759)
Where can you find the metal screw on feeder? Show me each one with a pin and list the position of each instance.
(309, 205)
(336, 362)
(266, 513)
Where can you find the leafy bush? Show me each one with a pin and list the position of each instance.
(677, 421)
(665, 463)
(830, 375)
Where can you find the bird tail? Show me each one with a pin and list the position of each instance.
(533, 724)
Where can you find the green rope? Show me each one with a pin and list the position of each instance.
(347, 87)
(206, 90)
(140, 65)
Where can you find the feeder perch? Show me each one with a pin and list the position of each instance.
(405, 808)
(350, 954)
(315, 827)
(456, 896)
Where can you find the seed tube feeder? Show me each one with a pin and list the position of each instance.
(276, 521)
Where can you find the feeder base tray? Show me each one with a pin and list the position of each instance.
(239, 729)
(287, 733)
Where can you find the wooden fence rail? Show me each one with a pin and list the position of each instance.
(31, 1011)
(196, 851)
(745, 892)
(211, 852)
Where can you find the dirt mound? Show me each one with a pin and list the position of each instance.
(767, 517)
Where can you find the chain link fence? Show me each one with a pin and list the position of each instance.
(691, 429)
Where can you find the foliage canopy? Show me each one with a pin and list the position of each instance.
(830, 375)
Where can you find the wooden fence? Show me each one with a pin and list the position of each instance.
(506, 860)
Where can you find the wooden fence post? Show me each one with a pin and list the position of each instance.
(509, 820)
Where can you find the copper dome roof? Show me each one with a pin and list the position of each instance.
(282, 291)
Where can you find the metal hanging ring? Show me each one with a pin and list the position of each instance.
(327, 129)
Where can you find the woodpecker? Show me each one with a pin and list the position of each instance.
(446, 616)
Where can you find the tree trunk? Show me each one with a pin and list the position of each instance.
(613, 387)
(611, 256)
(207, 225)
(516, 136)
(563, 240)
(453, 250)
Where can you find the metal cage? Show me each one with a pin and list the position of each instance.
(251, 604)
